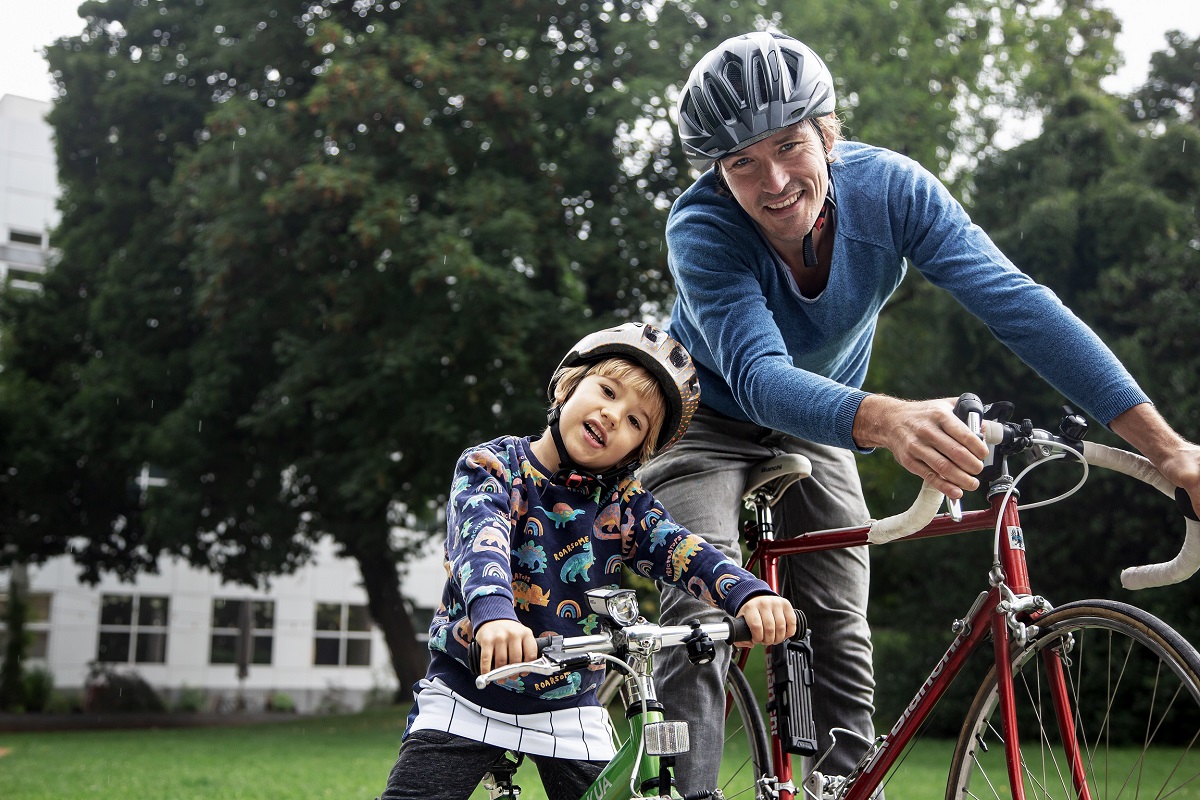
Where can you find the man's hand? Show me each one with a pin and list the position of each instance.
(1172, 455)
(926, 439)
(503, 642)
(770, 617)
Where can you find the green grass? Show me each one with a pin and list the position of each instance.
(323, 757)
(336, 757)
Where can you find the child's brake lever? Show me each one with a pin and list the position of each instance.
(540, 666)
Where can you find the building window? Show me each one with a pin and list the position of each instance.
(24, 237)
(133, 629)
(227, 623)
(343, 636)
(37, 624)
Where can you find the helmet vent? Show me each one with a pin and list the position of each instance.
(705, 111)
(762, 92)
(793, 64)
(678, 357)
(733, 74)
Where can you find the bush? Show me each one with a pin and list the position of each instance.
(379, 697)
(191, 699)
(111, 691)
(38, 686)
(64, 703)
(281, 703)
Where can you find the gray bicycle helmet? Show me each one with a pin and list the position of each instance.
(747, 88)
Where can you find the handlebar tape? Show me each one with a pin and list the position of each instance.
(1185, 504)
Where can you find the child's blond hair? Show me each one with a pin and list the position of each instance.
(636, 378)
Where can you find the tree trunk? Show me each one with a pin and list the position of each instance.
(382, 582)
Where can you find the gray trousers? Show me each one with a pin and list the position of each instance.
(700, 481)
(433, 765)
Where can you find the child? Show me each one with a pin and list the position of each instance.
(532, 524)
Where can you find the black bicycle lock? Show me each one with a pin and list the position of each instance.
(791, 670)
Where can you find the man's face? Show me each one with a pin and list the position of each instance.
(781, 183)
(604, 422)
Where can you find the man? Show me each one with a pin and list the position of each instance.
(783, 252)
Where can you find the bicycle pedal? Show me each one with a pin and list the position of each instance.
(666, 738)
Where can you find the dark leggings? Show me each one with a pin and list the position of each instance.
(433, 765)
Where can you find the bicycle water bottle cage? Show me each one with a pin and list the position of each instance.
(700, 647)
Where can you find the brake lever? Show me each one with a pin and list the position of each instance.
(969, 409)
(539, 666)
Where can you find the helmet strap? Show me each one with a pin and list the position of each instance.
(571, 474)
(810, 250)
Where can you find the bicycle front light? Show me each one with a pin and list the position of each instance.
(619, 604)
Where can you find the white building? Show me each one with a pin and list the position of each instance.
(28, 190)
(312, 637)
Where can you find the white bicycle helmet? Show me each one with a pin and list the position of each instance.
(659, 354)
(747, 88)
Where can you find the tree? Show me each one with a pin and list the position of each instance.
(1170, 93)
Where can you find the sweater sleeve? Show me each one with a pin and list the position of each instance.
(940, 240)
(478, 531)
(665, 550)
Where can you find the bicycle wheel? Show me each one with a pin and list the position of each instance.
(1133, 685)
(747, 754)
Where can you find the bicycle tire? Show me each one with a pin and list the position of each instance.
(1134, 688)
(746, 757)
(743, 768)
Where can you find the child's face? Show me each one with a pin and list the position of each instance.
(604, 422)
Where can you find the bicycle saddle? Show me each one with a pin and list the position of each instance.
(772, 477)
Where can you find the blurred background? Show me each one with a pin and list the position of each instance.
(270, 266)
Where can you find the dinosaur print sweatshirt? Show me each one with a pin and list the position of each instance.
(520, 547)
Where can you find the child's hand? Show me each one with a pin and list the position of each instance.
(503, 642)
(770, 617)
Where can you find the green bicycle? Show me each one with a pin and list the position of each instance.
(627, 642)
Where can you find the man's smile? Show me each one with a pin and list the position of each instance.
(786, 202)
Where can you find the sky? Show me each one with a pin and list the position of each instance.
(28, 25)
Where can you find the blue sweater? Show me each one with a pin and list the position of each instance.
(522, 548)
(769, 355)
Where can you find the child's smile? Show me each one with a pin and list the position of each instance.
(603, 423)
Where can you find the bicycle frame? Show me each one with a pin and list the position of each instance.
(613, 783)
(994, 612)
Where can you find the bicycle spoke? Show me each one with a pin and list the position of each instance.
(1132, 688)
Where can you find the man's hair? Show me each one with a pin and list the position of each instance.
(636, 378)
(830, 126)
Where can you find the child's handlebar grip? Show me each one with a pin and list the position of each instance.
(739, 630)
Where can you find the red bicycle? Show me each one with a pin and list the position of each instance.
(1092, 699)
